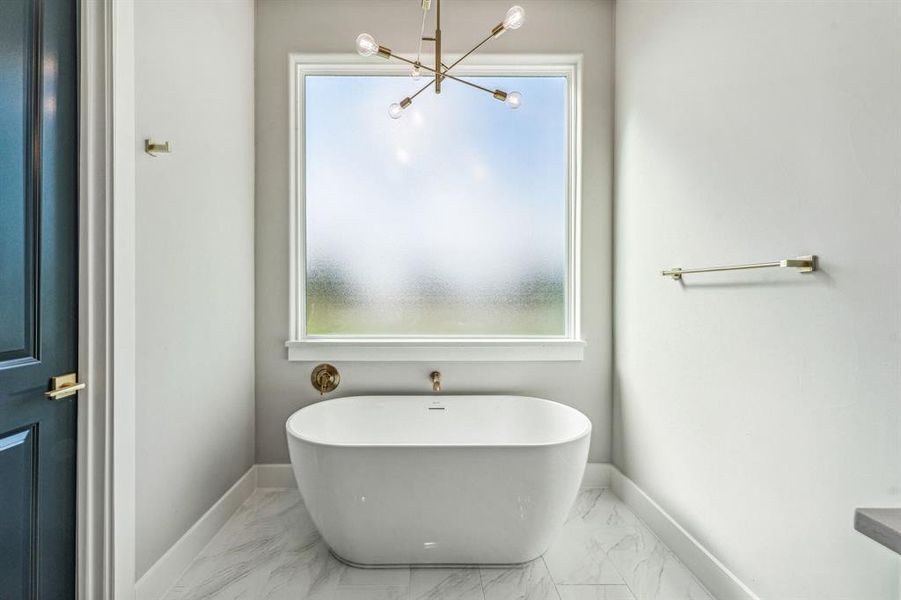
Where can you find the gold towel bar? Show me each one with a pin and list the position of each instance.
(804, 264)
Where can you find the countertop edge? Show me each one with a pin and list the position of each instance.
(882, 525)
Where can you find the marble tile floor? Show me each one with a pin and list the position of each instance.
(270, 550)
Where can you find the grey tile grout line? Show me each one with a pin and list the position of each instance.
(604, 490)
(659, 541)
(620, 573)
(609, 490)
(551, 576)
(554, 580)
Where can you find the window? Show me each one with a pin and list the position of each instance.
(447, 234)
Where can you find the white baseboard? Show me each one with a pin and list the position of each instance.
(166, 571)
(721, 582)
(597, 475)
(275, 476)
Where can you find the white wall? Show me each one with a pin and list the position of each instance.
(195, 378)
(570, 26)
(761, 408)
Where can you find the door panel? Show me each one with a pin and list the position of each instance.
(17, 519)
(17, 223)
(38, 294)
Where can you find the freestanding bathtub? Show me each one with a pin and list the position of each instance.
(438, 480)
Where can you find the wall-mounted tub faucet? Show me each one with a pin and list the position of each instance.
(325, 378)
(436, 381)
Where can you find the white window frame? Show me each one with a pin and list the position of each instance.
(303, 347)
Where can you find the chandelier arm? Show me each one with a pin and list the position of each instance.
(476, 47)
(471, 84)
(409, 99)
(445, 74)
(423, 88)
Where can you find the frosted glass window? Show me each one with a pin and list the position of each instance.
(451, 221)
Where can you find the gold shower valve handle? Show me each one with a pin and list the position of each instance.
(325, 378)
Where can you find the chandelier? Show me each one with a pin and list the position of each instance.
(367, 46)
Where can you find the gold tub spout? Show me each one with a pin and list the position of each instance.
(436, 381)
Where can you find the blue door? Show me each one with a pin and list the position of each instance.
(38, 296)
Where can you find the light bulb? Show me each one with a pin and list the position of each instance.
(515, 17)
(513, 100)
(416, 72)
(366, 45)
(395, 110)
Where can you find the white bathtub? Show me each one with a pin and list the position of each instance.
(438, 480)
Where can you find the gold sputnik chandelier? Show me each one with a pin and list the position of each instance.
(367, 46)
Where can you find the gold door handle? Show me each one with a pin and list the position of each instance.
(63, 386)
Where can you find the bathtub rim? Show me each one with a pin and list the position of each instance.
(585, 432)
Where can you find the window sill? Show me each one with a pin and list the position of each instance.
(435, 350)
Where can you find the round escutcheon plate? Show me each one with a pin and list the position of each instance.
(325, 378)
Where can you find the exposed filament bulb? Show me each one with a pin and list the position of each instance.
(397, 109)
